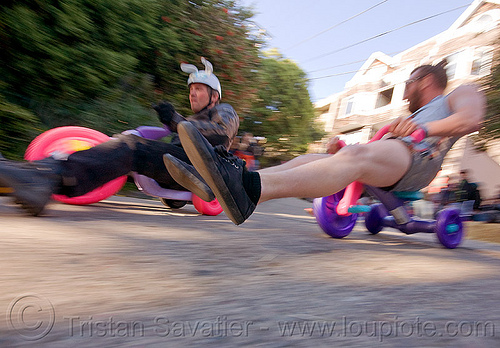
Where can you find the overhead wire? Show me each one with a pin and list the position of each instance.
(354, 71)
(349, 63)
(335, 26)
(384, 33)
(363, 41)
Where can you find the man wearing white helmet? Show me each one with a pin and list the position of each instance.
(217, 122)
(83, 171)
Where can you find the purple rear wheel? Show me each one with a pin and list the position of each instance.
(449, 228)
(333, 224)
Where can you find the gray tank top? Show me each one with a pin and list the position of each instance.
(436, 109)
(426, 164)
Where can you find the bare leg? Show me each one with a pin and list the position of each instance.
(333, 147)
(297, 161)
(381, 164)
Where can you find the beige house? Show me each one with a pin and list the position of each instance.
(374, 96)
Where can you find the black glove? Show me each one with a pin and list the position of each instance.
(166, 112)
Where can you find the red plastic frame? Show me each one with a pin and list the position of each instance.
(212, 208)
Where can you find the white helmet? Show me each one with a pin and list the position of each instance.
(207, 77)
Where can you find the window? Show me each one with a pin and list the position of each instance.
(351, 138)
(451, 67)
(358, 104)
(484, 23)
(350, 106)
(485, 19)
(481, 63)
(375, 72)
(384, 98)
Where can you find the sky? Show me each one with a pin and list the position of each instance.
(316, 34)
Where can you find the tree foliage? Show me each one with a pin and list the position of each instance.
(491, 129)
(283, 112)
(217, 30)
(18, 127)
(101, 63)
(74, 48)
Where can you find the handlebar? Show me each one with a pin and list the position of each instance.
(150, 132)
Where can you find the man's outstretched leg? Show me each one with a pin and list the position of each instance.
(32, 184)
(239, 191)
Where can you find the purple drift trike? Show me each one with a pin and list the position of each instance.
(337, 214)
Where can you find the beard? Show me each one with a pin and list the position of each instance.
(414, 103)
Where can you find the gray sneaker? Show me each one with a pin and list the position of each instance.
(187, 176)
(31, 184)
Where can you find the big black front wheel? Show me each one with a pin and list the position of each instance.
(172, 203)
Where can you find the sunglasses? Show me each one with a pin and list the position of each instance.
(415, 79)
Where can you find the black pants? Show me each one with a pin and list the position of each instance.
(86, 170)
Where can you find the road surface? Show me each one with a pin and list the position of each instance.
(131, 273)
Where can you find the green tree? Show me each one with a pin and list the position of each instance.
(491, 129)
(283, 111)
(101, 63)
(218, 31)
(74, 48)
(19, 127)
(79, 62)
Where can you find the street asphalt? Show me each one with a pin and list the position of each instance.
(130, 272)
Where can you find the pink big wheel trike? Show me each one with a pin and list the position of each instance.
(337, 214)
(70, 139)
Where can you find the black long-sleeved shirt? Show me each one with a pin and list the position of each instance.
(219, 124)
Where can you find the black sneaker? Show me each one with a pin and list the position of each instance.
(222, 171)
(187, 176)
(31, 184)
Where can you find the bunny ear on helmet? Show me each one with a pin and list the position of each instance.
(208, 66)
(206, 76)
(188, 68)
